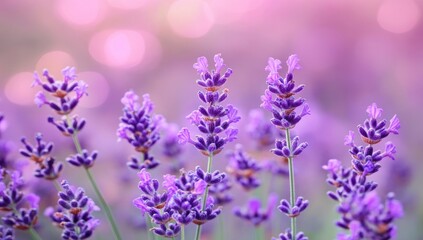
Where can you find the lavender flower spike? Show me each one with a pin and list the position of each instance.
(76, 213)
(67, 92)
(140, 128)
(280, 99)
(213, 120)
(48, 168)
(361, 210)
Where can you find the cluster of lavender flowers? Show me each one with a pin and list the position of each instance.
(195, 196)
(285, 117)
(21, 209)
(74, 213)
(180, 204)
(362, 212)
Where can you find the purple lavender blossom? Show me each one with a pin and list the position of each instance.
(68, 91)
(221, 192)
(214, 119)
(365, 158)
(280, 99)
(5, 146)
(287, 235)
(21, 209)
(68, 128)
(75, 213)
(6, 233)
(260, 129)
(83, 159)
(254, 212)
(284, 104)
(139, 127)
(362, 212)
(179, 204)
(244, 168)
(48, 168)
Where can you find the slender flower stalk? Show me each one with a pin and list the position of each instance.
(67, 93)
(213, 120)
(283, 107)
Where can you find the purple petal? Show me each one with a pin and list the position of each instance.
(218, 62)
(273, 66)
(374, 111)
(194, 117)
(394, 125)
(267, 100)
(201, 65)
(349, 139)
(130, 100)
(293, 63)
(40, 99)
(147, 104)
(144, 176)
(184, 136)
(231, 134)
(333, 166)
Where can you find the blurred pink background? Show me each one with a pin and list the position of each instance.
(353, 53)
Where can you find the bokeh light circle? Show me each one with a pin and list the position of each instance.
(98, 89)
(118, 48)
(398, 16)
(127, 4)
(54, 61)
(190, 18)
(81, 12)
(18, 89)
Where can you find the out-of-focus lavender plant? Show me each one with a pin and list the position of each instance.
(254, 212)
(140, 128)
(280, 99)
(214, 120)
(243, 168)
(64, 97)
(179, 204)
(74, 213)
(5, 146)
(362, 212)
(260, 130)
(172, 150)
(21, 208)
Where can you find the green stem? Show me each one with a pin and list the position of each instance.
(34, 234)
(206, 193)
(182, 232)
(57, 185)
(150, 235)
(103, 203)
(259, 232)
(291, 183)
(218, 233)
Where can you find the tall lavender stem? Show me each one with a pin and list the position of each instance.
(34, 234)
(285, 117)
(291, 181)
(206, 193)
(97, 191)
